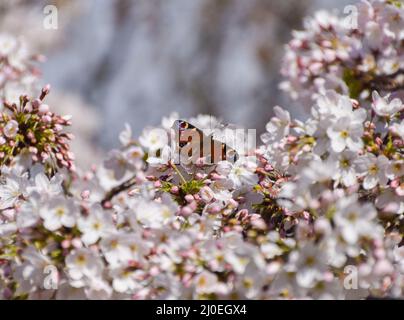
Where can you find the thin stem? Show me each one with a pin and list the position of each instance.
(178, 172)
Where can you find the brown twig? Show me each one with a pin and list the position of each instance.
(118, 189)
(387, 82)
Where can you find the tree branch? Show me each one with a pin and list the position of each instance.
(118, 189)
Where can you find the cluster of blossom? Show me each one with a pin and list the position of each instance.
(18, 72)
(163, 237)
(345, 174)
(30, 130)
(352, 54)
(137, 229)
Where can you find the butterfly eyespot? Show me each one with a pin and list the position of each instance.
(183, 125)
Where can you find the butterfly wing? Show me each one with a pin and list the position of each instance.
(227, 134)
(192, 143)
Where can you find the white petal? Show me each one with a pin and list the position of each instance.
(370, 182)
(338, 144)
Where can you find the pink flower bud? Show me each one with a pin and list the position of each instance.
(44, 156)
(107, 205)
(193, 205)
(85, 194)
(186, 211)
(306, 215)
(200, 162)
(215, 176)
(395, 183)
(400, 190)
(174, 190)
(72, 166)
(200, 176)
(268, 167)
(66, 244)
(46, 119)
(46, 88)
(355, 103)
(214, 209)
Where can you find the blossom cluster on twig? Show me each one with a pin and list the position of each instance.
(352, 55)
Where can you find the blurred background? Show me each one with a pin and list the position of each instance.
(135, 61)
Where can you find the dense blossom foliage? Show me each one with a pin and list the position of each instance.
(353, 54)
(315, 211)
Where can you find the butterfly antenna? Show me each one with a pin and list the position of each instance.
(178, 172)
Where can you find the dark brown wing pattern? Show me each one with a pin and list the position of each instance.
(192, 141)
